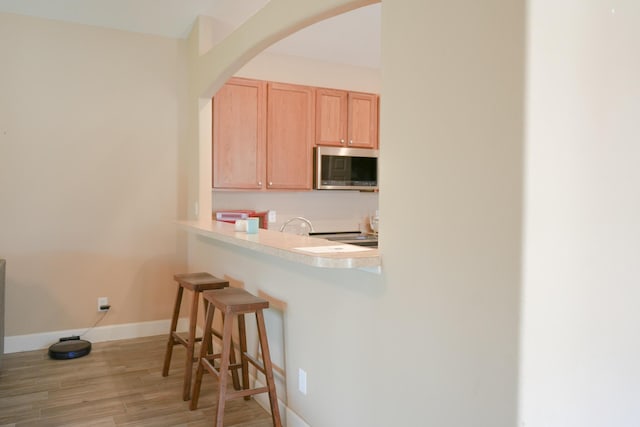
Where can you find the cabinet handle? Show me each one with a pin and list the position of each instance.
(270, 183)
(350, 142)
(342, 141)
(259, 183)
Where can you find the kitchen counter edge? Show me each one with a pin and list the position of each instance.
(282, 245)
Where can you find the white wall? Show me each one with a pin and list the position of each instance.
(90, 124)
(304, 71)
(450, 208)
(327, 210)
(581, 342)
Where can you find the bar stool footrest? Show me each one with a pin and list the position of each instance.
(245, 393)
(177, 339)
(256, 363)
(208, 363)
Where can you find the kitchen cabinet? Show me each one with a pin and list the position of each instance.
(263, 136)
(290, 132)
(346, 119)
(239, 135)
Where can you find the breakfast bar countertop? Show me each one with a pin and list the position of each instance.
(308, 250)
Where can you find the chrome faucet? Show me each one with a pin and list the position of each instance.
(298, 218)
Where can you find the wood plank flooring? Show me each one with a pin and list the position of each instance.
(118, 384)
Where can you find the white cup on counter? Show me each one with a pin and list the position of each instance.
(241, 225)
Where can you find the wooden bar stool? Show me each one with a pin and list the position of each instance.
(234, 301)
(197, 283)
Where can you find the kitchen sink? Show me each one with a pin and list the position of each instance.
(350, 237)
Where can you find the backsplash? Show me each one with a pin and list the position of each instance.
(327, 210)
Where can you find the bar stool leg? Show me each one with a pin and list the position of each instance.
(205, 349)
(242, 332)
(174, 325)
(232, 360)
(191, 341)
(266, 359)
(224, 369)
(206, 337)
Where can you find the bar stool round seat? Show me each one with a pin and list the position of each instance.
(235, 302)
(197, 283)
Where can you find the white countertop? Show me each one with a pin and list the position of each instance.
(303, 249)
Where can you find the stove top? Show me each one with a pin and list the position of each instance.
(350, 237)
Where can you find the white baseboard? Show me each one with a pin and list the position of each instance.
(18, 343)
(289, 418)
(293, 420)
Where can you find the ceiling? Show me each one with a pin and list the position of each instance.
(352, 38)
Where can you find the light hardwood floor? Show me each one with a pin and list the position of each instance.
(118, 384)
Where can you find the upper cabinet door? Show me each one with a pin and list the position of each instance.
(239, 129)
(363, 120)
(346, 119)
(331, 117)
(290, 131)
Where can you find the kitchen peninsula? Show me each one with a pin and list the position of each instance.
(318, 301)
(301, 249)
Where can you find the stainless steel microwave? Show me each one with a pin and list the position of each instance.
(342, 168)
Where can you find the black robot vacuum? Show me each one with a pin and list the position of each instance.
(69, 348)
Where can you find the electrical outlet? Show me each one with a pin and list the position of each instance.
(272, 217)
(103, 301)
(302, 381)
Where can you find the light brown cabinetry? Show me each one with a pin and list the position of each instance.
(263, 136)
(290, 130)
(239, 135)
(346, 119)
